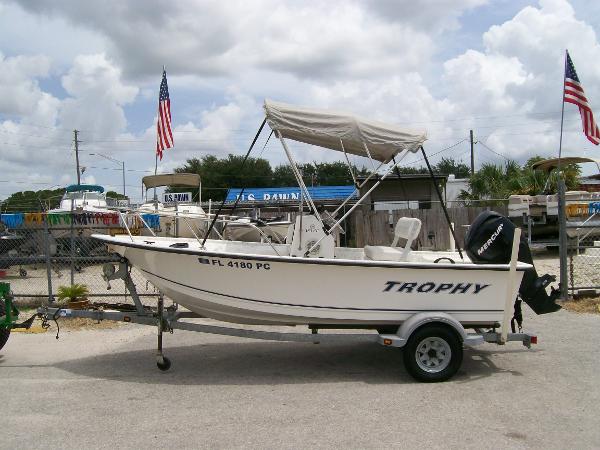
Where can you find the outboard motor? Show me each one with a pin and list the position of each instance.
(489, 240)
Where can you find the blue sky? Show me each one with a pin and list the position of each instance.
(445, 66)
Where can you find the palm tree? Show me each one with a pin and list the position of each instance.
(495, 182)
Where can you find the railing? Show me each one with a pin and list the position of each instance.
(186, 217)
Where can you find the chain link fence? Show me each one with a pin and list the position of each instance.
(584, 260)
(41, 252)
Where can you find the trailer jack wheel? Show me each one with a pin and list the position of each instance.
(163, 363)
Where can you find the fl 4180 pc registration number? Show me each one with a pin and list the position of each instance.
(235, 263)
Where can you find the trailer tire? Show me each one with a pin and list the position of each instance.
(433, 353)
(4, 332)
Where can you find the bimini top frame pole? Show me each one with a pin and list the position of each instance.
(360, 200)
(356, 183)
(298, 176)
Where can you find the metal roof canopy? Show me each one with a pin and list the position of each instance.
(548, 165)
(172, 179)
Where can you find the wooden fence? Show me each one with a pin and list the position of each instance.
(377, 227)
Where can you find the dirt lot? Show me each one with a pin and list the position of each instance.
(101, 389)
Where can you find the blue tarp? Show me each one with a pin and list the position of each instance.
(153, 220)
(12, 220)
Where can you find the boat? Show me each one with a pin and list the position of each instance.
(274, 229)
(308, 280)
(177, 218)
(10, 241)
(83, 210)
(539, 213)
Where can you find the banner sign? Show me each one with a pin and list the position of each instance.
(177, 197)
(289, 193)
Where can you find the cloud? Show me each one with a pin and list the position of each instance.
(96, 96)
(211, 38)
(519, 75)
(433, 16)
(384, 59)
(20, 93)
(39, 140)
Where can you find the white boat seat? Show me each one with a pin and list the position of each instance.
(383, 253)
(407, 228)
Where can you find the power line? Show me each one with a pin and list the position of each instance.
(493, 151)
(37, 136)
(119, 169)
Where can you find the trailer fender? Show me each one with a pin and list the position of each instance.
(416, 321)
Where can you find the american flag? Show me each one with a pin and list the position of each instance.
(164, 136)
(574, 94)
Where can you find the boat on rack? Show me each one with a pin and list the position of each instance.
(83, 210)
(176, 218)
(308, 280)
(539, 213)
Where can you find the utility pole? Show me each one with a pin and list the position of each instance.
(472, 154)
(110, 158)
(77, 155)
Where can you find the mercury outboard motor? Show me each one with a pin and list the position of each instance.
(489, 241)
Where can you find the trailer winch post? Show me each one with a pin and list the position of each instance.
(162, 362)
(510, 287)
(110, 273)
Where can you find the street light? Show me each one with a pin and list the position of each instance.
(113, 160)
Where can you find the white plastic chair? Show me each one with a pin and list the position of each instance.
(407, 228)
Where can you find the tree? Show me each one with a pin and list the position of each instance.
(449, 166)
(116, 195)
(538, 181)
(446, 166)
(33, 200)
(218, 175)
(494, 182)
(283, 175)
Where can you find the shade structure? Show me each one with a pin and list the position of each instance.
(342, 131)
(84, 187)
(171, 179)
(547, 165)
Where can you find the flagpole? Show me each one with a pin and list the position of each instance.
(562, 217)
(562, 112)
(155, 171)
(156, 154)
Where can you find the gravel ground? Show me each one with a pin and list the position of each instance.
(101, 389)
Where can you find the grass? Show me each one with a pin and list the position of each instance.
(583, 305)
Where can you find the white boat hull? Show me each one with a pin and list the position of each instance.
(270, 289)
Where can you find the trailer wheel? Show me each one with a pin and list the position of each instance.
(433, 353)
(4, 332)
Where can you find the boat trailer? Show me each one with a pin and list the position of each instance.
(424, 350)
